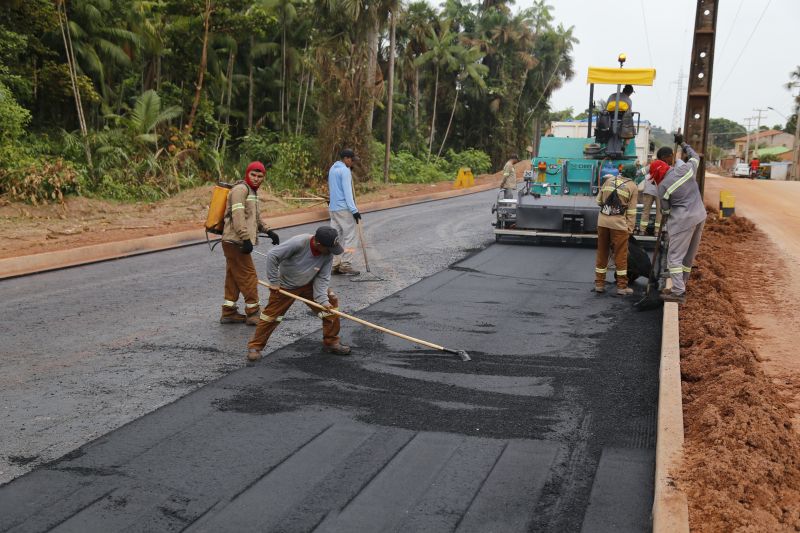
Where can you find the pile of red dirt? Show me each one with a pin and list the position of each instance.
(741, 469)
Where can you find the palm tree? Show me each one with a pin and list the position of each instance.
(469, 69)
(146, 115)
(443, 49)
(99, 47)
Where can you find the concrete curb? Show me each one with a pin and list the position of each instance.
(31, 264)
(670, 506)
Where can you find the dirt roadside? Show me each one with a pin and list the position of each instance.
(774, 314)
(80, 221)
(741, 385)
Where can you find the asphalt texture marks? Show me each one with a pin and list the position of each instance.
(549, 428)
(86, 350)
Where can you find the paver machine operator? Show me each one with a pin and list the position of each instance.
(558, 199)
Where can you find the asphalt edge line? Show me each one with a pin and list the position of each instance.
(670, 504)
(25, 265)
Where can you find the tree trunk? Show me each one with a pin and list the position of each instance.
(372, 67)
(449, 123)
(231, 59)
(416, 98)
(433, 115)
(309, 87)
(390, 96)
(203, 65)
(73, 76)
(283, 70)
(250, 89)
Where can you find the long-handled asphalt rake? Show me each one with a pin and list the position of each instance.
(460, 353)
(362, 278)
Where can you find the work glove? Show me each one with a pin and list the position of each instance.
(357, 216)
(274, 237)
(679, 139)
(247, 246)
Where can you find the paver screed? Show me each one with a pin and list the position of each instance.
(551, 427)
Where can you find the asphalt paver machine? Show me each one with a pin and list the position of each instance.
(557, 200)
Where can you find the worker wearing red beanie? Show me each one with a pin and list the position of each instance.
(242, 225)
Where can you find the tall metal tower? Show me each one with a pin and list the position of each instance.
(698, 102)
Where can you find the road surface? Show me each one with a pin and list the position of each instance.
(551, 427)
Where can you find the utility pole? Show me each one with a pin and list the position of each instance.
(758, 130)
(796, 146)
(698, 101)
(749, 124)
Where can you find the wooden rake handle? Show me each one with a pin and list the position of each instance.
(358, 320)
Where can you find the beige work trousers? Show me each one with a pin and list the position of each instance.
(345, 225)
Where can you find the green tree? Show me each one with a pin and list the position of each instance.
(722, 132)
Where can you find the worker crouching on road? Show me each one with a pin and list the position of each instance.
(617, 200)
(242, 226)
(684, 211)
(302, 266)
(509, 183)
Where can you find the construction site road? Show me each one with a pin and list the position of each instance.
(85, 350)
(551, 427)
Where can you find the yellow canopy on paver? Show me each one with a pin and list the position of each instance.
(621, 76)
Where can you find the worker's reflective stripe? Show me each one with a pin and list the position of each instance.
(257, 304)
(622, 272)
(658, 224)
(266, 318)
(234, 207)
(696, 161)
(632, 210)
(252, 198)
(687, 269)
(229, 303)
(601, 270)
(621, 192)
(676, 270)
(672, 188)
(644, 224)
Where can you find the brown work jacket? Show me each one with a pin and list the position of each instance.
(628, 194)
(242, 218)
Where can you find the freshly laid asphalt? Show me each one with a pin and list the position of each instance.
(551, 426)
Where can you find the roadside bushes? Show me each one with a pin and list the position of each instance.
(291, 159)
(405, 167)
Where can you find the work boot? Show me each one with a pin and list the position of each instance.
(231, 315)
(672, 297)
(253, 355)
(624, 291)
(338, 349)
(598, 288)
(252, 318)
(347, 270)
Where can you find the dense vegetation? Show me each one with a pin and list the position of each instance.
(140, 98)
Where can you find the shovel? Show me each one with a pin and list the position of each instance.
(460, 353)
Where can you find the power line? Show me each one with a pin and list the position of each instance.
(733, 26)
(646, 33)
(745, 45)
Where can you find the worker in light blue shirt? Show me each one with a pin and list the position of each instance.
(344, 213)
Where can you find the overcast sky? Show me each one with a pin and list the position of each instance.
(658, 34)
